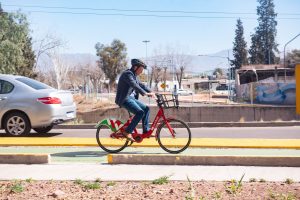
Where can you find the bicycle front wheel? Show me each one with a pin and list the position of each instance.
(177, 143)
(108, 144)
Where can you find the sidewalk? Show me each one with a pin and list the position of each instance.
(144, 172)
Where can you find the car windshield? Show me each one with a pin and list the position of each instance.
(33, 83)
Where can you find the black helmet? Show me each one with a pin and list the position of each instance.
(137, 62)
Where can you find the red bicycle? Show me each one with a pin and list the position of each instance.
(173, 135)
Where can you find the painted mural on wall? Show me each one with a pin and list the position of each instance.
(268, 93)
(243, 92)
(276, 93)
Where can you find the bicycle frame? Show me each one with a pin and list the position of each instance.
(159, 118)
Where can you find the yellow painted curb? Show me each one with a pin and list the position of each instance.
(109, 159)
(196, 142)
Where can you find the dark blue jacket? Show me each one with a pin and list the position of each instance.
(128, 82)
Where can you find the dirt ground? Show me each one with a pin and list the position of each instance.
(157, 189)
(85, 104)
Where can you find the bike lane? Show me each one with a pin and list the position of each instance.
(97, 155)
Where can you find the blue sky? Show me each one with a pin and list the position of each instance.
(198, 35)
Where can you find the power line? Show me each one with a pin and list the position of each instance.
(127, 10)
(149, 15)
(133, 15)
(140, 10)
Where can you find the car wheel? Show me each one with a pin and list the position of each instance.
(44, 129)
(17, 124)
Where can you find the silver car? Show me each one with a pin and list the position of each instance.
(26, 103)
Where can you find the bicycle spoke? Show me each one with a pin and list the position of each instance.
(174, 143)
(109, 143)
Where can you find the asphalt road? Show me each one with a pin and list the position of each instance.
(290, 132)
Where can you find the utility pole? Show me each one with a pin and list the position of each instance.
(229, 73)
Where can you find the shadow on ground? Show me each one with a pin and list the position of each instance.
(94, 154)
(34, 134)
(79, 154)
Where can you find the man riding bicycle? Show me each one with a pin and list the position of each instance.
(128, 90)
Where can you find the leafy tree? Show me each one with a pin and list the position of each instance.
(112, 59)
(239, 47)
(218, 72)
(293, 57)
(29, 60)
(256, 50)
(264, 46)
(16, 55)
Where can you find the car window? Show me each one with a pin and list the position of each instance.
(33, 83)
(5, 87)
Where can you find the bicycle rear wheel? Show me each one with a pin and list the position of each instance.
(108, 144)
(180, 141)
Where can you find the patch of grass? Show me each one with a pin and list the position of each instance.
(272, 195)
(288, 196)
(262, 180)
(29, 180)
(79, 182)
(281, 196)
(201, 198)
(92, 186)
(98, 180)
(2, 188)
(17, 187)
(252, 180)
(191, 196)
(234, 186)
(162, 180)
(111, 183)
(217, 195)
(289, 181)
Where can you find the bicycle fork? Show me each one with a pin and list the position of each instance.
(169, 127)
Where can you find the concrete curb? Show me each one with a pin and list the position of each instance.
(166, 159)
(12, 158)
(198, 124)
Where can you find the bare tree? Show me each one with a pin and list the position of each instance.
(181, 63)
(156, 71)
(45, 45)
(60, 67)
(176, 58)
(95, 75)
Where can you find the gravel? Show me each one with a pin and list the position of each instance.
(163, 189)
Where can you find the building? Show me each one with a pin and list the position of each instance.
(266, 84)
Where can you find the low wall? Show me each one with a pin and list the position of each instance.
(249, 113)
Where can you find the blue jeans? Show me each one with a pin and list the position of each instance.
(140, 111)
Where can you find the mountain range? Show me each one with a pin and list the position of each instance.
(197, 64)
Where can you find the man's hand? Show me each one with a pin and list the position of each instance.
(150, 94)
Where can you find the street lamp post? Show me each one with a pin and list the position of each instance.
(146, 42)
(284, 55)
(285, 47)
(229, 71)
